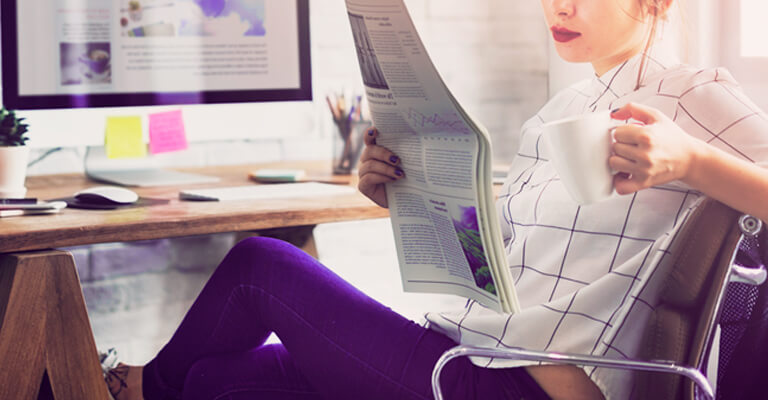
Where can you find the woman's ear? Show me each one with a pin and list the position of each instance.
(657, 8)
(666, 4)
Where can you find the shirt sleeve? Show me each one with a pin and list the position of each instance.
(712, 107)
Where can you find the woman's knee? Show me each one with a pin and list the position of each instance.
(259, 248)
(263, 254)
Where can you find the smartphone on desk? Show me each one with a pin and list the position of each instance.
(11, 209)
(37, 205)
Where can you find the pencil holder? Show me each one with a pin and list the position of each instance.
(348, 140)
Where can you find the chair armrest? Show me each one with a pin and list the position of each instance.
(750, 226)
(565, 358)
(750, 276)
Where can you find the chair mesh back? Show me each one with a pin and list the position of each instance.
(679, 327)
(744, 335)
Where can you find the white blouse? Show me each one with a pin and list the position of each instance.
(580, 270)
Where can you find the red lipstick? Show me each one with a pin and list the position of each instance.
(563, 35)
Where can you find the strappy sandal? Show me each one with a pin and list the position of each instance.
(115, 379)
(114, 372)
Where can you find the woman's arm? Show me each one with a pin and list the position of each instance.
(659, 152)
(739, 184)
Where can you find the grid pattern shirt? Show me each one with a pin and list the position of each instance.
(583, 274)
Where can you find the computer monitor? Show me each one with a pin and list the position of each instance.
(117, 53)
(90, 59)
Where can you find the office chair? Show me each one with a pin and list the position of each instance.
(682, 324)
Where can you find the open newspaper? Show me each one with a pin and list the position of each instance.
(443, 214)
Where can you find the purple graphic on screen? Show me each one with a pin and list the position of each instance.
(217, 18)
(211, 8)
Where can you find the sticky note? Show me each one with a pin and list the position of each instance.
(166, 132)
(123, 138)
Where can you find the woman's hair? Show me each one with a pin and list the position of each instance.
(655, 10)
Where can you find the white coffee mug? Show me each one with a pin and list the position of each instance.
(579, 148)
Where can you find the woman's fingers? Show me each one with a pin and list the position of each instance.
(632, 153)
(370, 136)
(373, 175)
(374, 166)
(379, 153)
(626, 183)
(628, 178)
(378, 166)
(644, 114)
(621, 164)
(378, 159)
(631, 134)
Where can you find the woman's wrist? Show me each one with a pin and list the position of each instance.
(700, 158)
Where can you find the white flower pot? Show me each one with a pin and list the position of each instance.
(13, 171)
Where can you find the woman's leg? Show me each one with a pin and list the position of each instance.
(267, 372)
(340, 343)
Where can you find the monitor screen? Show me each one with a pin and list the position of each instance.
(108, 53)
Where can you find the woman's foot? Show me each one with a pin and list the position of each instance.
(124, 382)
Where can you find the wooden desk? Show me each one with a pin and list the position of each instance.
(44, 326)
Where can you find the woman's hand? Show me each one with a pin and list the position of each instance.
(651, 153)
(377, 167)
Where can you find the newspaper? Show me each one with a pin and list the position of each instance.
(443, 216)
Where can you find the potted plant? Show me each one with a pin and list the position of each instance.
(13, 154)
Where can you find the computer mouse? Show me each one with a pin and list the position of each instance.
(106, 195)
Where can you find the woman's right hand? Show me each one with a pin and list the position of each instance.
(378, 166)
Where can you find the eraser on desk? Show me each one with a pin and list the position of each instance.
(278, 175)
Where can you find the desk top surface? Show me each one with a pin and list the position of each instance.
(73, 227)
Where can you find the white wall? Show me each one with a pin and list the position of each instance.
(492, 54)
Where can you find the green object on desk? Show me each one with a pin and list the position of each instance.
(279, 175)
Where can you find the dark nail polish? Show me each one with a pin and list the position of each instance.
(399, 172)
(615, 110)
(394, 159)
(371, 132)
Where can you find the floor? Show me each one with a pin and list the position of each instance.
(138, 314)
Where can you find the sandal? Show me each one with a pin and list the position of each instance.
(114, 372)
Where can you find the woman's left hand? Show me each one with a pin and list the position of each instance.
(652, 152)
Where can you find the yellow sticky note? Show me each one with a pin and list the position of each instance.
(123, 138)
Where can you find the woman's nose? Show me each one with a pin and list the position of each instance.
(563, 8)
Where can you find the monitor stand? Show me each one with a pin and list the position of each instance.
(140, 172)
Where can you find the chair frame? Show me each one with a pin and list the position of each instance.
(749, 226)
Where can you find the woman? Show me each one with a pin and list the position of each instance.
(694, 134)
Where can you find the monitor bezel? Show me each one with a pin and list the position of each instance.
(12, 98)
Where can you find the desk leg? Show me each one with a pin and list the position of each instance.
(299, 236)
(44, 327)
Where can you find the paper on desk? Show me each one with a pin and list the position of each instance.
(123, 138)
(166, 132)
(266, 192)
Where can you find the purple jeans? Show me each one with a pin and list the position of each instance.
(336, 342)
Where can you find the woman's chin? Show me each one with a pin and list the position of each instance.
(570, 54)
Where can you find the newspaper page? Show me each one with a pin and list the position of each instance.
(442, 213)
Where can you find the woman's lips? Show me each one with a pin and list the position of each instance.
(563, 35)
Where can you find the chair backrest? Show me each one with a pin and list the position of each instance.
(688, 304)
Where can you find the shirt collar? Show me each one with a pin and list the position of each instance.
(622, 79)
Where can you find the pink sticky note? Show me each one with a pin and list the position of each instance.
(166, 132)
